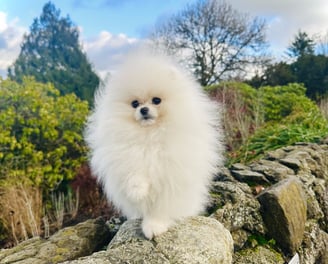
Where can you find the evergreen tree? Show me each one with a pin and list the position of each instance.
(301, 46)
(51, 53)
(312, 71)
(275, 74)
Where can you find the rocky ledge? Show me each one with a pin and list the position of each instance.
(264, 212)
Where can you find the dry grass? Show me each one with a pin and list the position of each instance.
(64, 207)
(21, 211)
(323, 105)
(24, 215)
(239, 120)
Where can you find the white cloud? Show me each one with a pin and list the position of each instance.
(106, 50)
(285, 18)
(11, 36)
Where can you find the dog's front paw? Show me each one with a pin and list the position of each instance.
(137, 191)
(152, 228)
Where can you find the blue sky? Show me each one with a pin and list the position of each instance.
(110, 27)
(130, 17)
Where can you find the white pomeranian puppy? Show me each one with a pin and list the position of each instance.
(155, 142)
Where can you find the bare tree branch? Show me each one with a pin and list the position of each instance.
(216, 41)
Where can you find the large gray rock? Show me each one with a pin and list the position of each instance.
(68, 243)
(283, 207)
(273, 171)
(244, 173)
(239, 211)
(194, 240)
(250, 176)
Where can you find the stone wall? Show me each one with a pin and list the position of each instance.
(274, 208)
(278, 203)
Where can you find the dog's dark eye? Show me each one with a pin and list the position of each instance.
(156, 100)
(135, 103)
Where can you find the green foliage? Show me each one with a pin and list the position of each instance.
(306, 67)
(40, 133)
(51, 53)
(301, 46)
(290, 117)
(276, 74)
(312, 70)
(256, 239)
(279, 101)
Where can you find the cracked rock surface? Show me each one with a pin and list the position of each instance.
(194, 240)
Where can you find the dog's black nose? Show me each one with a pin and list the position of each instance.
(144, 111)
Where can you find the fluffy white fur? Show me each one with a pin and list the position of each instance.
(155, 166)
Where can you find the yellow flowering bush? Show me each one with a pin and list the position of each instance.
(41, 140)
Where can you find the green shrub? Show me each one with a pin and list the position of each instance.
(41, 141)
(256, 121)
(280, 101)
(290, 117)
